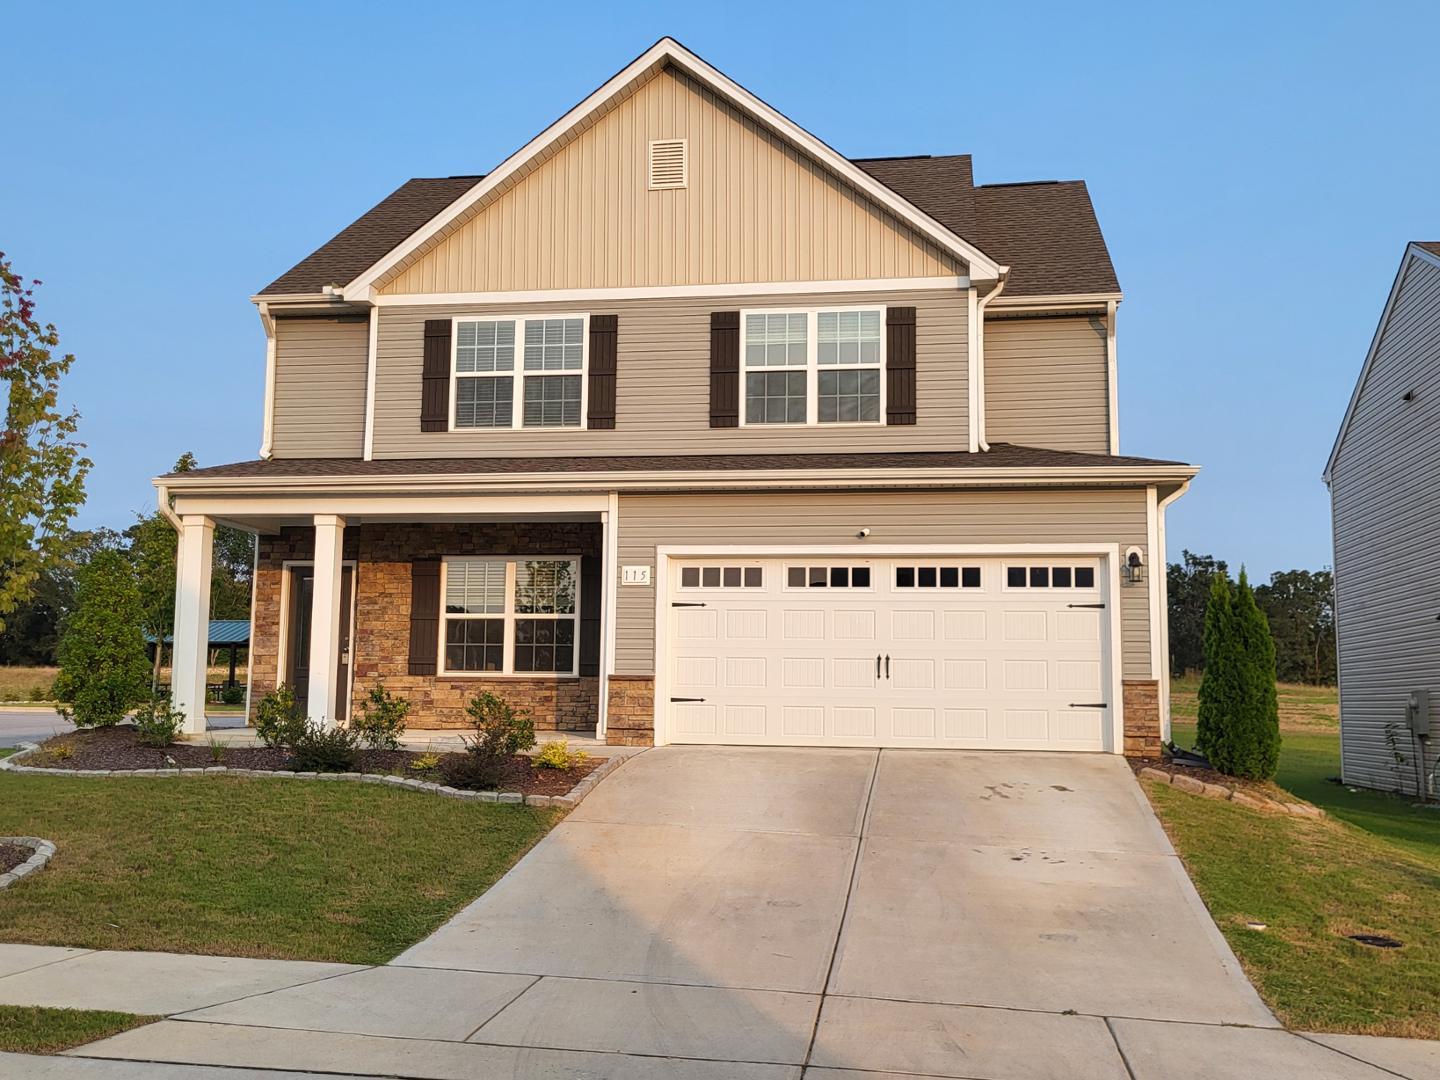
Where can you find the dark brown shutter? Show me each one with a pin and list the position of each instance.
(724, 369)
(900, 365)
(603, 338)
(435, 377)
(424, 615)
(590, 597)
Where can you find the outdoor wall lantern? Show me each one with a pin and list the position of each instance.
(1133, 572)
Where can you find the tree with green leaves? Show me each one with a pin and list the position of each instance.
(42, 472)
(103, 669)
(1299, 605)
(1238, 726)
(1188, 584)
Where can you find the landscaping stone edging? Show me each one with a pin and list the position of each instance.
(1231, 794)
(568, 801)
(44, 850)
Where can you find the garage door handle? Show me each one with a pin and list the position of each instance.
(877, 665)
(687, 699)
(887, 665)
(1090, 705)
(682, 603)
(1086, 605)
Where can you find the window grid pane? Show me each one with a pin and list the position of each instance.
(554, 344)
(849, 397)
(848, 337)
(552, 401)
(545, 587)
(775, 397)
(475, 586)
(776, 339)
(485, 346)
(485, 403)
(545, 645)
(475, 645)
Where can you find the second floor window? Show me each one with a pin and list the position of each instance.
(813, 367)
(541, 387)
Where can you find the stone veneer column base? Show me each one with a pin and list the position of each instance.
(630, 720)
(1142, 717)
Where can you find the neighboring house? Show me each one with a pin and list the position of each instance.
(679, 426)
(1385, 511)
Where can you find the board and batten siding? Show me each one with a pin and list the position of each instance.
(755, 209)
(827, 519)
(662, 387)
(319, 388)
(1047, 383)
(1385, 502)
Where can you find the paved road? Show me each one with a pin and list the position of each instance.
(761, 914)
(30, 725)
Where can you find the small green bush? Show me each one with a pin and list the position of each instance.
(471, 771)
(103, 668)
(232, 695)
(425, 762)
(158, 722)
(279, 719)
(382, 719)
(1238, 723)
(558, 755)
(501, 728)
(320, 749)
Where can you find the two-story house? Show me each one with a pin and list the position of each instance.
(679, 426)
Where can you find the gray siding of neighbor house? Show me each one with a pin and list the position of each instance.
(913, 517)
(662, 390)
(1047, 382)
(319, 388)
(1385, 500)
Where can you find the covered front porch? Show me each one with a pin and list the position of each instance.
(434, 597)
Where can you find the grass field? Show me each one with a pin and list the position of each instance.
(28, 1029)
(1372, 866)
(23, 683)
(251, 867)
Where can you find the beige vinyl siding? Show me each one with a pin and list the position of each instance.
(755, 209)
(319, 388)
(1046, 383)
(916, 517)
(1385, 498)
(663, 384)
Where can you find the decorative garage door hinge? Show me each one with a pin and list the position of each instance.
(1089, 705)
(1086, 605)
(687, 699)
(683, 603)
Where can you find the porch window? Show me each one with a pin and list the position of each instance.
(814, 367)
(547, 390)
(511, 616)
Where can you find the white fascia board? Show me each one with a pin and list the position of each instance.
(1413, 251)
(668, 50)
(735, 289)
(1088, 301)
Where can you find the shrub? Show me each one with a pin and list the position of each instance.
(472, 771)
(424, 762)
(558, 755)
(232, 695)
(279, 719)
(1238, 724)
(157, 722)
(382, 719)
(217, 751)
(501, 728)
(103, 667)
(319, 749)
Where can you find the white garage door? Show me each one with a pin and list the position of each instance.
(923, 652)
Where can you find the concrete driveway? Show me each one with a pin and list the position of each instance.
(768, 913)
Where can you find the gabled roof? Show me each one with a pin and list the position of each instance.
(1426, 250)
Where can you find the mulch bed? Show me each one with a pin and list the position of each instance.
(1265, 789)
(115, 748)
(12, 855)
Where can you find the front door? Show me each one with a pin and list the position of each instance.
(302, 608)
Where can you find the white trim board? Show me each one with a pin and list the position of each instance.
(669, 51)
(1412, 251)
(1110, 594)
(738, 290)
(282, 622)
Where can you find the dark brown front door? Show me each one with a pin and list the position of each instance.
(302, 608)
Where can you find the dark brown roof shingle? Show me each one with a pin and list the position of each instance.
(1048, 235)
(1000, 455)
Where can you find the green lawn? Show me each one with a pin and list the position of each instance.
(251, 867)
(28, 1029)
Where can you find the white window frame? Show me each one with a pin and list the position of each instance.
(517, 388)
(508, 616)
(842, 590)
(813, 367)
(1050, 564)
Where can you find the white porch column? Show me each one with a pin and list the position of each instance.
(190, 651)
(325, 620)
(610, 561)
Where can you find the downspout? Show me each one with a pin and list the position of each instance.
(162, 502)
(267, 430)
(980, 348)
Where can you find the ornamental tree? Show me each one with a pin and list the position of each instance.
(42, 472)
(103, 669)
(1238, 726)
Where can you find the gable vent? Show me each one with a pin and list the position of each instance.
(669, 163)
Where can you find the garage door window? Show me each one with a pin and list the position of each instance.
(827, 577)
(511, 616)
(1050, 577)
(721, 577)
(937, 577)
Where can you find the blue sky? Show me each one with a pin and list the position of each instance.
(1257, 172)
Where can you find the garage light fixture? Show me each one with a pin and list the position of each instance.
(1133, 571)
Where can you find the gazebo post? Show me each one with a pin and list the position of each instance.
(233, 647)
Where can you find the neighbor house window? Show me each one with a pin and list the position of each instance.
(511, 616)
(547, 390)
(813, 367)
